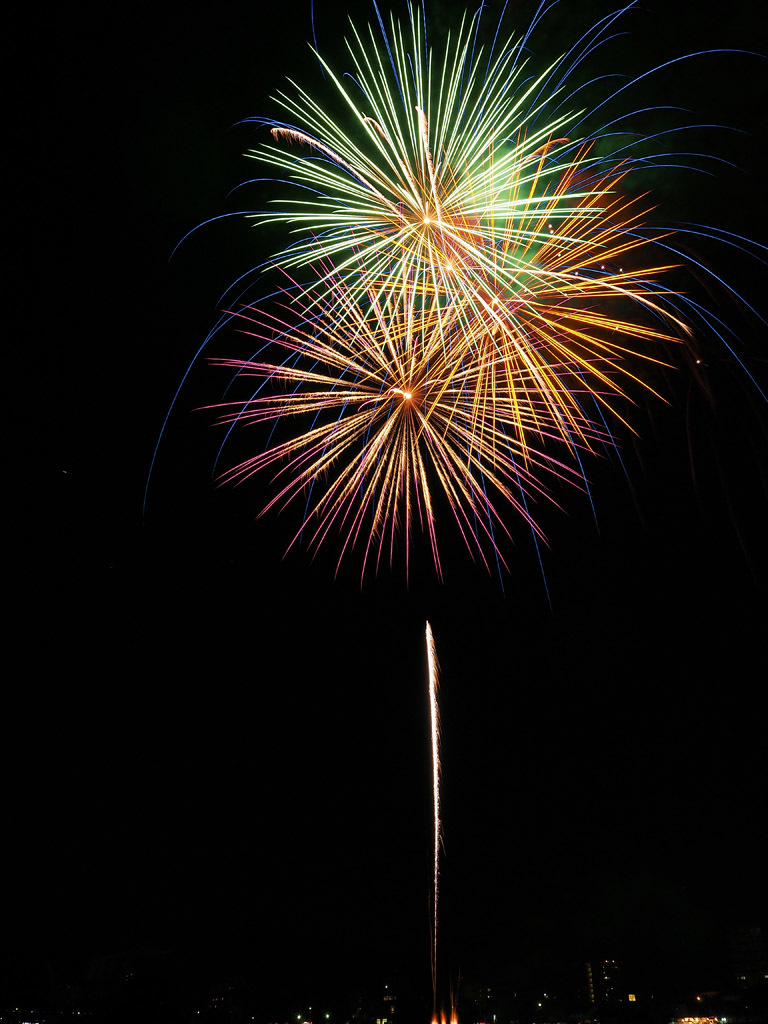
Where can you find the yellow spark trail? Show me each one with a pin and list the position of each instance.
(435, 736)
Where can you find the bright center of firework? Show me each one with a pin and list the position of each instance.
(407, 395)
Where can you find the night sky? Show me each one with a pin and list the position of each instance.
(214, 749)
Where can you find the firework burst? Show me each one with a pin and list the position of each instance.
(473, 295)
(388, 401)
(459, 171)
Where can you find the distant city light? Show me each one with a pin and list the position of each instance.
(700, 1020)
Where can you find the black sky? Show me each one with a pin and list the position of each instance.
(209, 746)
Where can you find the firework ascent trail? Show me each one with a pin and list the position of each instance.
(435, 730)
